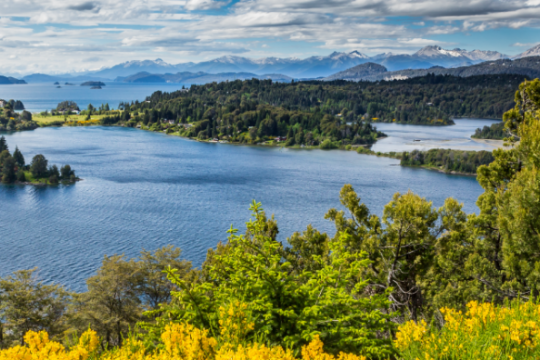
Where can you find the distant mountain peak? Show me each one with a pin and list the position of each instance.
(534, 51)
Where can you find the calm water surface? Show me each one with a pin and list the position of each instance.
(402, 137)
(146, 190)
(41, 97)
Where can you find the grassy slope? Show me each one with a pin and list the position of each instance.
(44, 120)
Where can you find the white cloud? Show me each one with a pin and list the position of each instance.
(177, 30)
(528, 45)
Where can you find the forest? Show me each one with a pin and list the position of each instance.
(416, 282)
(495, 132)
(14, 170)
(308, 113)
(447, 160)
(10, 120)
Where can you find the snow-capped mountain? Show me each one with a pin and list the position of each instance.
(534, 51)
(311, 67)
(430, 56)
(132, 67)
(315, 66)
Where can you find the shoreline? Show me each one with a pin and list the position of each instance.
(496, 143)
(499, 144)
(41, 184)
(441, 170)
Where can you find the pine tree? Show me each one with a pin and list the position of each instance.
(8, 171)
(19, 158)
(3, 144)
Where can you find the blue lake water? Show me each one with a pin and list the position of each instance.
(41, 97)
(422, 137)
(146, 190)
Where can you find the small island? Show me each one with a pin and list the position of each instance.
(93, 83)
(14, 170)
(95, 87)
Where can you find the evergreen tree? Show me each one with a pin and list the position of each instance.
(19, 158)
(39, 166)
(8, 171)
(66, 172)
(290, 137)
(3, 144)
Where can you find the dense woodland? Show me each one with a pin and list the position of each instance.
(14, 169)
(465, 162)
(11, 120)
(418, 282)
(311, 112)
(495, 132)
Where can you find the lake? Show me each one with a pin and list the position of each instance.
(147, 190)
(41, 97)
(423, 137)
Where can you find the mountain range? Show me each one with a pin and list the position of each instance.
(309, 68)
(527, 66)
(200, 77)
(5, 80)
(314, 67)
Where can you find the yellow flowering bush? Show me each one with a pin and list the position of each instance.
(484, 331)
(39, 347)
(234, 324)
(179, 342)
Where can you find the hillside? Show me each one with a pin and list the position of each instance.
(4, 80)
(359, 71)
(315, 113)
(198, 78)
(526, 67)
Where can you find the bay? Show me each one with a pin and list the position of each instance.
(147, 190)
(41, 97)
(423, 137)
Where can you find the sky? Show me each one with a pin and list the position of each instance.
(60, 36)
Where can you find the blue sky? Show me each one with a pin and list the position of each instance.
(58, 36)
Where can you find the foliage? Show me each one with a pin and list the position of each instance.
(38, 167)
(19, 158)
(11, 120)
(13, 168)
(67, 106)
(39, 347)
(484, 331)
(466, 162)
(495, 132)
(28, 304)
(122, 289)
(286, 308)
(178, 341)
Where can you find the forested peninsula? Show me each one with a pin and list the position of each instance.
(418, 282)
(255, 111)
(14, 170)
(448, 161)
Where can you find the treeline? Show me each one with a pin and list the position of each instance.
(14, 169)
(403, 100)
(494, 132)
(465, 162)
(10, 120)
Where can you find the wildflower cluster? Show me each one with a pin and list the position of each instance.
(178, 342)
(484, 331)
(39, 347)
